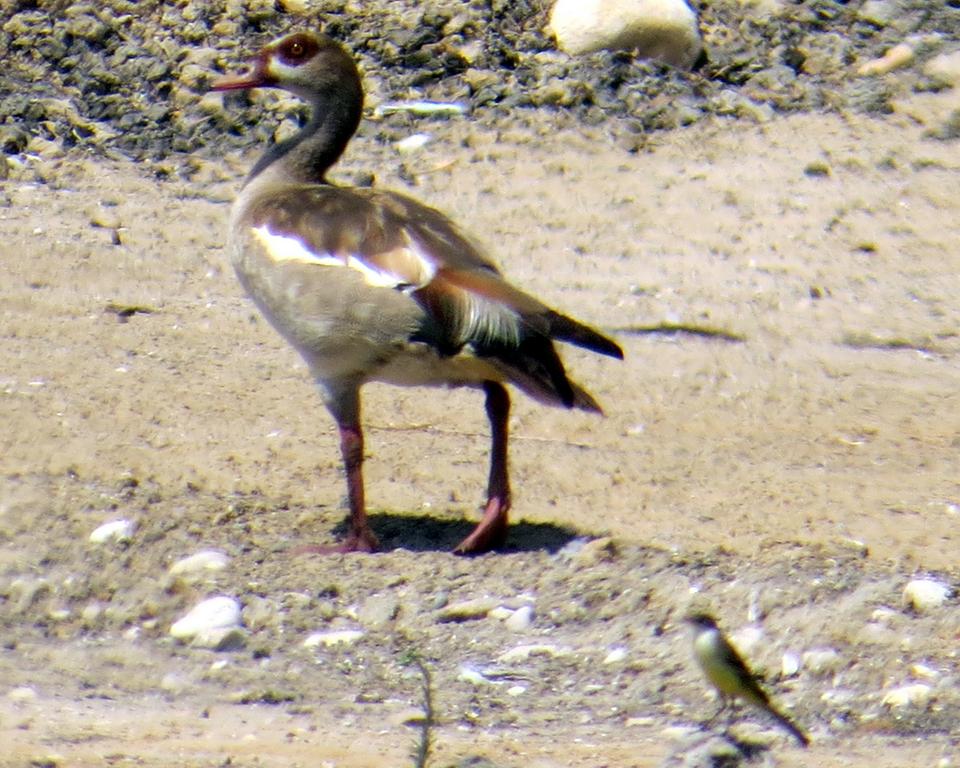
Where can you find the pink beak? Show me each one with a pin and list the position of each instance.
(254, 77)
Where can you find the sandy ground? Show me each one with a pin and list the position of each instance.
(795, 470)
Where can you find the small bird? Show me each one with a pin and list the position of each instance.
(372, 285)
(729, 674)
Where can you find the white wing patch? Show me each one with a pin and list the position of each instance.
(487, 321)
(282, 248)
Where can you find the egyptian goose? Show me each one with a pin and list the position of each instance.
(370, 285)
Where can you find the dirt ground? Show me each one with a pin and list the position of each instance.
(792, 464)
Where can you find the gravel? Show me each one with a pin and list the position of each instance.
(131, 78)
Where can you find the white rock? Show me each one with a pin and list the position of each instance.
(790, 664)
(615, 656)
(899, 56)
(839, 697)
(115, 530)
(747, 639)
(925, 594)
(524, 652)
(413, 142)
(468, 610)
(516, 690)
(333, 637)
(520, 620)
(213, 615)
(665, 30)
(883, 615)
(204, 560)
(174, 683)
(923, 672)
(221, 639)
(473, 676)
(22, 694)
(821, 661)
(914, 695)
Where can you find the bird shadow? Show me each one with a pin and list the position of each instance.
(749, 749)
(424, 533)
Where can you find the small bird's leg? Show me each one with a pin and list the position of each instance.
(491, 531)
(724, 704)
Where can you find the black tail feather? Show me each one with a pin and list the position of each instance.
(567, 329)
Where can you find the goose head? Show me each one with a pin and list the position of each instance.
(307, 64)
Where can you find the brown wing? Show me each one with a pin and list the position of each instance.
(400, 244)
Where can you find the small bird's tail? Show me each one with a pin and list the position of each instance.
(795, 731)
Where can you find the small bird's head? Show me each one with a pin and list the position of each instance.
(701, 620)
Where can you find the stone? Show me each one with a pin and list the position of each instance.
(821, 661)
(923, 595)
(114, 531)
(467, 610)
(664, 30)
(378, 611)
(899, 56)
(914, 695)
(213, 623)
(520, 620)
(944, 69)
(524, 652)
(208, 560)
(333, 637)
(615, 656)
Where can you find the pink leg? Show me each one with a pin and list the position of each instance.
(491, 531)
(359, 536)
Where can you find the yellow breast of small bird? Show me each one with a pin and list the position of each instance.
(711, 653)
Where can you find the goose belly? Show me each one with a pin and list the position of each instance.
(340, 324)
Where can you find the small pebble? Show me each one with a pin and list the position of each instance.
(173, 683)
(378, 611)
(210, 624)
(472, 676)
(883, 615)
(898, 56)
(914, 695)
(520, 620)
(586, 553)
(22, 694)
(615, 656)
(204, 560)
(333, 637)
(114, 531)
(422, 108)
(821, 661)
(408, 717)
(925, 594)
(747, 638)
(945, 69)
(524, 652)
(467, 610)
(412, 143)
(923, 672)
(516, 690)
(790, 664)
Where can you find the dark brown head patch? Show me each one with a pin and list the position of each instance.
(297, 49)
